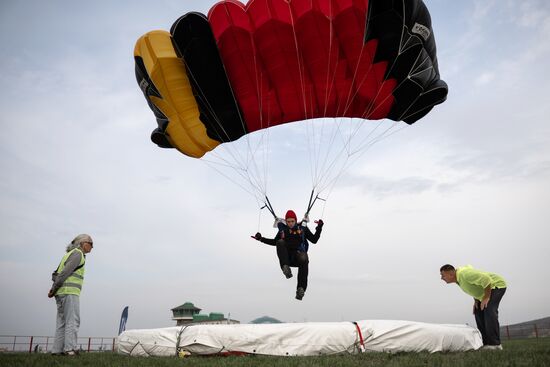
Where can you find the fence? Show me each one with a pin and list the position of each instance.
(525, 331)
(43, 344)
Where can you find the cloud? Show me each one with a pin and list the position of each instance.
(531, 14)
(485, 78)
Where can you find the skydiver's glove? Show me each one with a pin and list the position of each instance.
(320, 223)
(306, 219)
(277, 221)
(257, 236)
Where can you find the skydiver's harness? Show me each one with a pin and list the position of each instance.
(298, 230)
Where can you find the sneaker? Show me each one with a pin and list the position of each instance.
(286, 271)
(492, 347)
(300, 293)
(71, 353)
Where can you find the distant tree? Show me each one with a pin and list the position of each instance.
(265, 320)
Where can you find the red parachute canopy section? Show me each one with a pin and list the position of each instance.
(307, 58)
(250, 67)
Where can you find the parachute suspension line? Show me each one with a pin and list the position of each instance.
(317, 167)
(324, 206)
(320, 154)
(264, 134)
(381, 137)
(261, 180)
(252, 164)
(312, 202)
(326, 179)
(259, 219)
(369, 140)
(255, 195)
(362, 122)
(349, 100)
(329, 181)
(322, 171)
(335, 160)
(311, 147)
(242, 170)
(300, 62)
(239, 168)
(235, 153)
(241, 163)
(331, 184)
(309, 203)
(331, 75)
(267, 205)
(346, 148)
(315, 155)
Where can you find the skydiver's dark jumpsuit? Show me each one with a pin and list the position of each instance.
(292, 246)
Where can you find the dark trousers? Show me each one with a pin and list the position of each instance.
(487, 319)
(289, 255)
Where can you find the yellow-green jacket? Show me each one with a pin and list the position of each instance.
(474, 282)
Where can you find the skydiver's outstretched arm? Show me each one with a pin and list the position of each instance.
(314, 237)
(267, 241)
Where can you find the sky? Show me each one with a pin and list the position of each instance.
(467, 184)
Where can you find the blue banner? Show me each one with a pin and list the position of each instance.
(123, 319)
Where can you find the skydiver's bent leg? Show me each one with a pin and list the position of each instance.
(284, 260)
(302, 261)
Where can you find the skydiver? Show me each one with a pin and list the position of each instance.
(292, 245)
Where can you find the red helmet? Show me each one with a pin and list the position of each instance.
(290, 214)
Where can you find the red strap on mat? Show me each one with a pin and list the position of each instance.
(361, 341)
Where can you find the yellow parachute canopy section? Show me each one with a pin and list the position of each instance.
(173, 96)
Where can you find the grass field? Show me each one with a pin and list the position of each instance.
(524, 352)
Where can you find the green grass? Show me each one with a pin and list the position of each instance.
(525, 352)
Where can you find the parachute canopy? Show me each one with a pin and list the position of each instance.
(249, 67)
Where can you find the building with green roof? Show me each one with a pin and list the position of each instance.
(189, 314)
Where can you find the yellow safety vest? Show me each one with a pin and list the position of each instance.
(73, 284)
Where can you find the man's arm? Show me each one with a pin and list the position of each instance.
(314, 237)
(486, 297)
(267, 241)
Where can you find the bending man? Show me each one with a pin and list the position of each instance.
(487, 290)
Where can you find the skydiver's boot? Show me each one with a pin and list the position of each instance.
(286, 271)
(300, 292)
